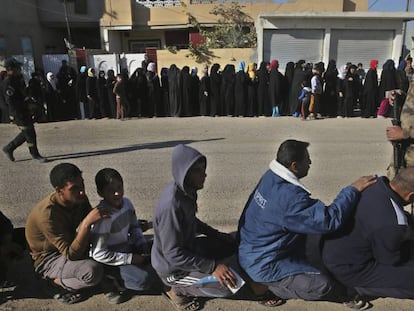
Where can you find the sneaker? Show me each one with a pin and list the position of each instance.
(311, 117)
(9, 153)
(40, 159)
(358, 303)
(115, 297)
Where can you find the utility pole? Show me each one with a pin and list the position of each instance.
(67, 21)
(407, 9)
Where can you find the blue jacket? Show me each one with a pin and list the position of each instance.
(276, 219)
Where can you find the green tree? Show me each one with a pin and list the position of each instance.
(235, 29)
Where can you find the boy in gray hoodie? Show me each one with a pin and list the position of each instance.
(189, 265)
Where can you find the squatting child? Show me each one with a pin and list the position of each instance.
(118, 241)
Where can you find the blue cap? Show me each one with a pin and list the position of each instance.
(82, 69)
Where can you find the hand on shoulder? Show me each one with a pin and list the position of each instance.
(363, 182)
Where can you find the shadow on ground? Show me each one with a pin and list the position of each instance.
(155, 145)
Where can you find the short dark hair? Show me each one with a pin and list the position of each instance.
(62, 173)
(291, 151)
(405, 179)
(105, 176)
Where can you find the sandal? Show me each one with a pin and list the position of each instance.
(7, 284)
(68, 298)
(183, 303)
(358, 303)
(269, 299)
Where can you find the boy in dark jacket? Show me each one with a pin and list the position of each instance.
(186, 263)
(372, 252)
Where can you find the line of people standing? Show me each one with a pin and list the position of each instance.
(304, 90)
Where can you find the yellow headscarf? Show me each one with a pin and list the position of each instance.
(251, 71)
(91, 72)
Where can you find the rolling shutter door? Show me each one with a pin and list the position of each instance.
(287, 45)
(360, 46)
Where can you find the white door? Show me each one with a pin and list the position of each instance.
(287, 45)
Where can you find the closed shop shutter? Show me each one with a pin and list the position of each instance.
(360, 46)
(287, 45)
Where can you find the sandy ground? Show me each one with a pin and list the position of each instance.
(238, 152)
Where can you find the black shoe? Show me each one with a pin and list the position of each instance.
(40, 159)
(9, 153)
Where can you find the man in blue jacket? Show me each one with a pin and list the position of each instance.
(372, 251)
(278, 216)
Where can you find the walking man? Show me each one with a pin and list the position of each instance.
(14, 96)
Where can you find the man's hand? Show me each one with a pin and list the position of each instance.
(395, 133)
(224, 275)
(96, 215)
(363, 182)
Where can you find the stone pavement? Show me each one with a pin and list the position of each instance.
(238, 151)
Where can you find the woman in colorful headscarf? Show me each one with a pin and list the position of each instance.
(276, 81)
(370, 91)
(252, 90)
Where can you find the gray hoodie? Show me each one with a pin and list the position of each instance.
(175, 222)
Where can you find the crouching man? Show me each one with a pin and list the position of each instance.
(57, 231)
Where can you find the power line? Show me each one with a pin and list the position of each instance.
(375, 2)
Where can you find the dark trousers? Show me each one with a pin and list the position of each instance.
(378, 280)
(27, 134)
(306, 286)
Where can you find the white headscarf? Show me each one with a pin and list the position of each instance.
(342, 72)
(151, 67)
(51, 79)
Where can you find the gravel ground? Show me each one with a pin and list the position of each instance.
(238, 151)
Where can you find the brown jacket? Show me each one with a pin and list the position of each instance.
(51, 228)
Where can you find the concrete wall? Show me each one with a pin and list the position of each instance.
(127, 12)
(327, 23)
(221, 56)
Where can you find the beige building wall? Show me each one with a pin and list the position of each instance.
(126, 12)
(221, 56)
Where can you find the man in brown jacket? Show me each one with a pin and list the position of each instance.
(57, 231)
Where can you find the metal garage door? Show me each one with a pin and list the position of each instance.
(288, 45)
(360, 46)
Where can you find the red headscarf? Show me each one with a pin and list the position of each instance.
(373, 64)
(274, 64)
